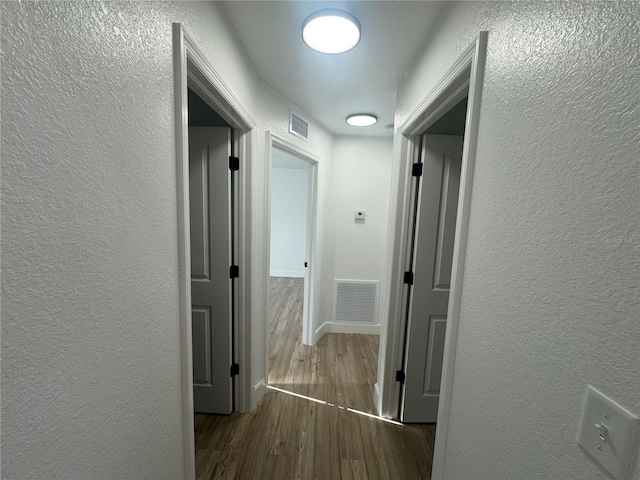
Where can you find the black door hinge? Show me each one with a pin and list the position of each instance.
(234, 271)
(235, 369)
(400, 376)
(416, 170)
(234, 163)
(408, 278)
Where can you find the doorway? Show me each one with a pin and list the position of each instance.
(292, 193)
(212, 203)
(464, 78)
(435, 191)
(192, 70)
(290, 247)
(294, 255)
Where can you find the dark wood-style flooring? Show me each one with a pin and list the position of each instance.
(316, 421)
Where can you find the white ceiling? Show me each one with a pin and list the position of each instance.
(330, 87)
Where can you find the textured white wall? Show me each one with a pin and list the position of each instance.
(289, 192)
(90, 333)
(361, 181)
(548, 305)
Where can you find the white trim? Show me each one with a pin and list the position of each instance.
(356, 328)
(220, 98)
(459, 251)
(191, 68)
(392, 335)
(465, 73)
(376, 397)
(284, 144)
(184, 253)
(244, 298)
(287, 273)
(451, 88)
(259, 389)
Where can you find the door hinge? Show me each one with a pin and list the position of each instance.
(408, 278)
(234, 271)
(234, 163)
(235, 369)
(416, 170)
(400, 376)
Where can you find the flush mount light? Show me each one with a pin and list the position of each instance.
(331, 31)
(362, 120)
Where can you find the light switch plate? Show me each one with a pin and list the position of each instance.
(614, 452)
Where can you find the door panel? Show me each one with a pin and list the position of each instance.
(433, 255)
(199, 206)
(434, 355)
(201, 333)
(211, 288)
(447, 223)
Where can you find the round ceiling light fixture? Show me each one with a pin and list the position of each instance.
(362, 120)
(331, 31)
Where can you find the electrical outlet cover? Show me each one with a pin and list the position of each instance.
(620, 429)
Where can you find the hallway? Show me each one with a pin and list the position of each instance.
(324, 429)
(340, 368)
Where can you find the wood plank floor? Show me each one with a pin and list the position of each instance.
(317, 424)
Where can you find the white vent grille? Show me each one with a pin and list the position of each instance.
(298, 126)
(356, 301)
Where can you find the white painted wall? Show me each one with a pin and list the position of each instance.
(289, 195)
(549, 302)
(361, 181)
(90, 332)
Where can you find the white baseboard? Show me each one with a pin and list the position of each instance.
(358, 328)
(287, 273)
(319, 332)
(376, 398)
(259, 389)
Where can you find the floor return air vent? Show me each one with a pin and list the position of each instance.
(356, 301)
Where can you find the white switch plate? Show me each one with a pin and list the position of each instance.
(614, 453)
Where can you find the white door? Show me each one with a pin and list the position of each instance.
(308, 267)
(433, 254)
(211, 288)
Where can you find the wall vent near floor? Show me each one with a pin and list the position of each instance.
(298, 126)
(356, 301)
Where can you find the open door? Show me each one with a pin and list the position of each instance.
(437, 204)
(292, 222)
(308, 253)
(210, 196)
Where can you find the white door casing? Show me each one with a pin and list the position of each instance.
(306, 302)
(311, 272)
(433, 254)
(211, 285)
(191, 67)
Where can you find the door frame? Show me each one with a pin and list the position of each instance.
(412, 252)
(192, 69)
(464, 77)
(311, 290)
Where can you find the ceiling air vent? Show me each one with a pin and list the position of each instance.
(298, 126)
